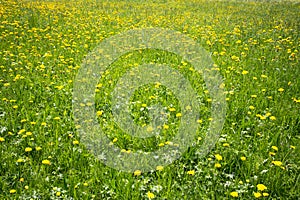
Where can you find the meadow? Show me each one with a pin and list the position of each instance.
(254, 46)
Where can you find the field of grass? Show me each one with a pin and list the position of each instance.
(254, 46)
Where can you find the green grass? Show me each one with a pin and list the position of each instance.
(255, 46)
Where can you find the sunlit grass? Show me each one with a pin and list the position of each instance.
(255, 46)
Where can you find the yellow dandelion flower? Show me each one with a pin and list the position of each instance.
(280, 90)
(265, 194)
(137, 172)
(244, 72)
(99, 113)
(218, 165)
(218, 157)
(26, 187)
(234, 194)
(191, 172)
(277, 163)
(38, 148)
(150, 195)
(257, 194)
(28, 149)
(12, 191)
(251, 107)
(2, 139)
(273, 118)
(178, 115)
(46, 162)
(226, 145)
(75, 142)
(275, 148)
(58, 194)
(261, 187)
(243, 158)
(159, 168)
(115, 140)
(21, 180)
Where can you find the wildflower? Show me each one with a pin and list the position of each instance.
(257, 194)
(28, 149)
(159, 168)
(21, 180)
(280, 90)
(12, 191)
(261, 187)
(150, 195)
(218, 157)
(191, 172)
(277, 163)
(225, 145)
(99, 113)
(2, 139)
(38, 148)
(251, 107)
(178, 115)
(272, 118)
(26, 187)
(265, 194)
(20, 160)
(75, 142)
(58, 194)
(275, 148)
(243, 158)
(292, 147)
(244, 72)
(115, 140)
(166, 126)
(46, 162)
(234, 194)
(137, 172)
(218, 165)
(85, 184)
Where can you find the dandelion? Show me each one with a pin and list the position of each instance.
(218, 165)
(150, 195)
(257, 194)
(226, 145)
(261, 187)
(280, 90)
(265, 194)
(46, 162)
(137, 172)
(2, 139)
(277, 163)
(26, 187)
(191, 172)
(218, 157)
(234, 194)
(58, 194)
(275, 148)
(272, 118)
(159, 168)
(244, 72)
(12, 191)
(178, 115)
(251, 107)
(38, 148)
(243, 158)
(75, 142)
(28, 149)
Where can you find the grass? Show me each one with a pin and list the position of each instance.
(255, 47)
